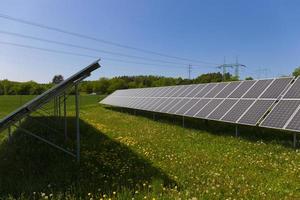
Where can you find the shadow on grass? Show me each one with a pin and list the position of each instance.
(28, 165)
(249, 133)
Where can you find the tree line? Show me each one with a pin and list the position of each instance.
(109, 85)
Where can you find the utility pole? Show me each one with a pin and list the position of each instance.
(189, 71)
(236, 66)
(223, 67)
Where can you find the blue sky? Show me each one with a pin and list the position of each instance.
(263, 34)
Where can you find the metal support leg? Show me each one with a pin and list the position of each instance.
(9, 134)
(236, 131)
(295, 140)
(59, 107)
(77, 123)
(153, 116)
(65, 118)
(183, 121)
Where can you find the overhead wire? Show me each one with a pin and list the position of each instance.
(7, 17)
(86, 48)
(82, 55)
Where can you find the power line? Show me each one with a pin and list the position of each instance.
(100, 40)
(82, 55)
(85, 48)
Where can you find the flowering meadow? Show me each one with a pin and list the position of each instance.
(132, 156)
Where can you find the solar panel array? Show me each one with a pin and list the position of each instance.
(272, 103)
(44, 98)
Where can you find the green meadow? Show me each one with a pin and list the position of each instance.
(134, 155)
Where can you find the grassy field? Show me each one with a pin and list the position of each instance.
(126, 156)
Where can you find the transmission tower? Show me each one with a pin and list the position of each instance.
(236, 67)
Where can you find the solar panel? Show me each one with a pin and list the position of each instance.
(237, 110)
(216, 90)
(162, 104)
(155, 104)
(256, 112)
(280, 114)
(276, 88)
(177, 106)
(222, 109)
(228, 89)
(240, 102)
(196, 107)
(196, 90)
(170, 105)
(206, 89)
(179, 91)
(294, 124)
(189, 104)
(140, 102)
(294, 91)
(151, 103)
(169, 92)
(189, 89)
(208, 108)
(163, 91)
(145, 103)
(258, 88)
(50, 94)
(242, 89)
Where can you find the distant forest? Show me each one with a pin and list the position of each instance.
(109, 85)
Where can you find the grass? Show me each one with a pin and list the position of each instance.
(128, 156)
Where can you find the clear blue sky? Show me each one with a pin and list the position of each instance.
(264, 34)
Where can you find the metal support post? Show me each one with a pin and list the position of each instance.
(183, 121)
(295, 140)
(153, 116)
(9, 134)
(77, 123)
(236, 131)
(59, 107)
(65, 118)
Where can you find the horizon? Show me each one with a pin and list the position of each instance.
(264, 39)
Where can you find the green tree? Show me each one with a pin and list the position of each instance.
(249, 78)
(296, 72)
(116, 84)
